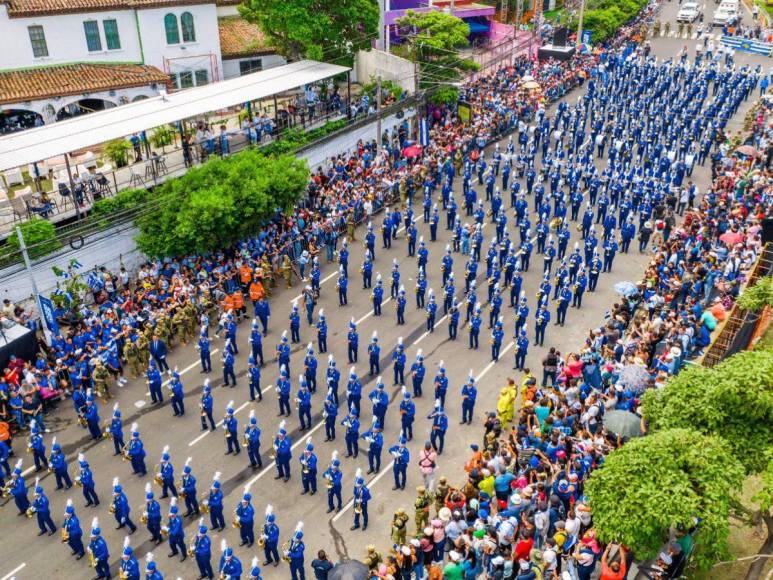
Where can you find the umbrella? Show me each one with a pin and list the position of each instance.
(349, 570)
(623, 423)
(626, 288)
(412, 151)
(527, 78)
(634, 377)
(530, 85)
(731, 238)
(748, 151)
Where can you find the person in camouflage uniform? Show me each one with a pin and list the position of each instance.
(131, 353)
(268, 275)
(350, 226)
(100, 376)
(439, 497)
(143, 346)
(191, 318)
(287, 271)
(422, 509)
(372, 558)
(180, 325)
(399, 527)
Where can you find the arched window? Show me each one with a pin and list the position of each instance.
(189, 31)
(172, 32)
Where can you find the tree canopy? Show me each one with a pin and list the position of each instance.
(734, 400)
(661, 481)
(435, 46)
(221, 202)
(329, 30)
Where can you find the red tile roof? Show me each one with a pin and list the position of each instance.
(239, 38)
(43, 83)
(19, 8)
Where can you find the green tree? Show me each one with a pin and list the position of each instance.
(435, 46)
(221, 202)
(662, 481)
(757, 297)
(330, 30)
(39, 237)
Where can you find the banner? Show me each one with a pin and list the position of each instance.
(747, 45)
(47, 311)
(424, 133)
(586, 36)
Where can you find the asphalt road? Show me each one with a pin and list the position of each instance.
(27, 556)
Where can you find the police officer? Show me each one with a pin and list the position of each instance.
(308, 461)
(407, 415)
(73, 532)
(231, 428)
(206, 406)
(270, 537)
(361, 497)
(58, 463)
(418, 370)
(334, 477)
(252, 441)
(283, 452)
(400, 466)
(245, 515)
(374, 355)
(469, 395)
(439, 427)
(152, 515)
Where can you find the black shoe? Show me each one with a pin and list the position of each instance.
(243, 544)
(171, 554)
(265, 563)
(313, 492)
(364, 527)
(329, 510)
(277, 477)
(395, 487)
(185, 557)
(369, 471)
(41, 532)
(304, 492)
(287, 478)
(354, 528)
(79, 556)
(52, 532)
(276, 563)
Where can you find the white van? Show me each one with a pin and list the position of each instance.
(726, 13)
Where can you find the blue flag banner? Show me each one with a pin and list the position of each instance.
(424, 133)
(747, 45)
(47, 308)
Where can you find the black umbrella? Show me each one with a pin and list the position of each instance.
(349, 570)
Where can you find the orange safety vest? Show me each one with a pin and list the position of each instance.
(228, 303)
(245, 272)
(238, 300)
(257, 291)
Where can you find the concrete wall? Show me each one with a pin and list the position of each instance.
(231, 65)
(66, 39)
(374, 62)
(109, 248)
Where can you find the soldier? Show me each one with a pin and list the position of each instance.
(361, 497)
(439, 496)
(308, 461)
(252, 441)
(399, 527)
(334, 477)
(131, 352)
(422, 503)
(99, 376)
(202, 551)
(270, 536)
(350, 226)
(287, 271)
(372, 559)
(400, 467)
(152, 515)
(71, 529)
(181, 328)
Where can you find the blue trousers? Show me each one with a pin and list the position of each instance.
(205, 566)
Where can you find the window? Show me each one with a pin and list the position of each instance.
(112, 40)
(202, 77)
(172, 32)
(186, 79)
(38, 41)
(250, 66)
(189, 32)
(93, 42)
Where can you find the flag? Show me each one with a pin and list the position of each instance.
(75, 264)
(94, 281)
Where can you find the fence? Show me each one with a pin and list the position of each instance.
(737, 330)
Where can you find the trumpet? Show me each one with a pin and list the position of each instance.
(111, 509)
(92, 559)
(30, 512)
(65, 535)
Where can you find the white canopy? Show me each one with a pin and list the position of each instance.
(24, 147)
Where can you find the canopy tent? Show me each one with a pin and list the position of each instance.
(20, 149)
(477, 27)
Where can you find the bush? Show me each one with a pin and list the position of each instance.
(123, 200)
(757, 297)
(39, 237)
(607, 16)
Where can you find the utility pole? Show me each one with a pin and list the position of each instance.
(72, 186)
(378, 113)
(579, 23)
(28, 265)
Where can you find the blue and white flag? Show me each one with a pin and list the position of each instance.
(424, 133)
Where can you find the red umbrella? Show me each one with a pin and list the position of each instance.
(412, 151)
(731, 238)
(748, 151)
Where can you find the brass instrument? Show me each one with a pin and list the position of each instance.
(285, 551)
(5, 491)
(50, 469)
(262, 541)
(329, 482)
(358, 506)
(29, 447)
(92, 559)
(223, 576)
(157, 476)
(111, 509)
(204, 504)
(236, 523)
(125, 456)
(30, 512)
(123, 575)
(181, 489)
(82, 421)
(191, 549)
(106, 431)
(65, 535)
(164, 533)
(246, 440)
(144, 518)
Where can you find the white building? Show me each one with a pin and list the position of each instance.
(66, 57)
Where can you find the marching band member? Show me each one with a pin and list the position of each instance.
(283, 452)
(270, 538)
(188, 490)
(136, 452)
(295, 553)
(176, 533)
(166, 473)
(400, 467)
(361, 499)
(151, 569)
(308, 462)
(353, 390)
(230, 566)
(418, 370)
(86, 480)
(214, 504)
(352, 424)
(58, 462)
(469, 395)
(375, 441)
(206, 406)
(231, 428)
(121, 508)
(334, 477)
(42, 510)
(152, 515)
(255, 570)
(303, 402)
(439, 427)
(37, 446)
(99, 553)
(407, 415)
(252, 441)
(379, 401)
(329, 413)
(116, 431)
(202, 551)
(71, 530)
(245, 516)
(333, 376)
(283, 393)
(130, 568)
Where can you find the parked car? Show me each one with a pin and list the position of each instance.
(689, 12)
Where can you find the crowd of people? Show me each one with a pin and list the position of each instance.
(618, 159)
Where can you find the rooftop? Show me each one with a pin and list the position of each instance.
(239, 38)
(20, 8)
(57, 81)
